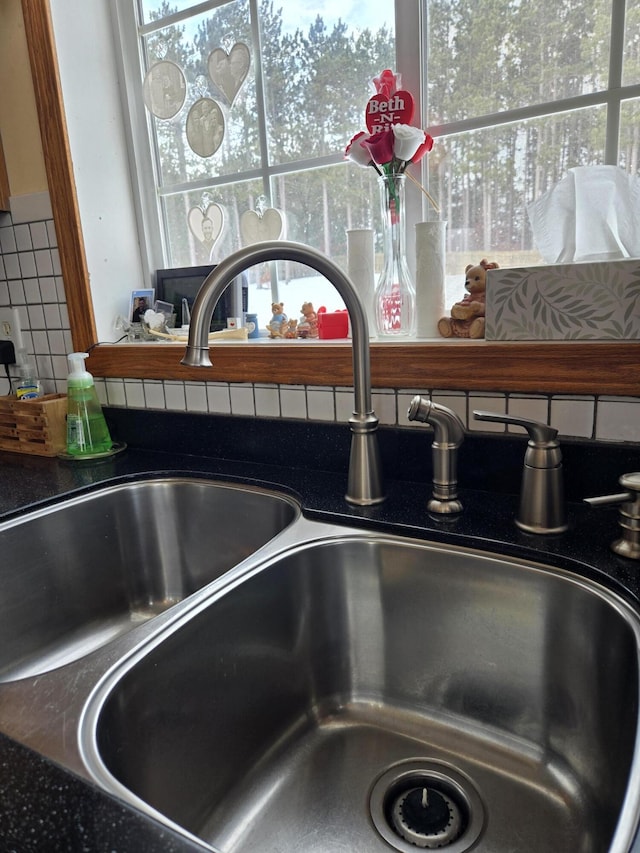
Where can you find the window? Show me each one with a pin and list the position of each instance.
(286, 123)
(516, 93)
(520, 91)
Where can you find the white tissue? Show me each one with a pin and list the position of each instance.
(592, 214)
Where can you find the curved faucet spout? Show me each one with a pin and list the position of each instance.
(365, 473)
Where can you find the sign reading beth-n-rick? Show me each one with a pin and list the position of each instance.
(383, 110)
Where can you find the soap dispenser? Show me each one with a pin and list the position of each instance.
(87, 431)
(27, 386)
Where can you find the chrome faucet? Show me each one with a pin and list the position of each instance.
(364, 485)
(448, 436)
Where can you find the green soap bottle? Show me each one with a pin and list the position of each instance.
(87, 430)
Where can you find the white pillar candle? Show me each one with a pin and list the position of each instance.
(430, 276)
(360, 268)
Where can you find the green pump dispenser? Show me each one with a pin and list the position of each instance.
(87, 431)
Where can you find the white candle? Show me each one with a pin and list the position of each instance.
(430, 276)
(360, 267)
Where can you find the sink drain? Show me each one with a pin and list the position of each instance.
(426, 804)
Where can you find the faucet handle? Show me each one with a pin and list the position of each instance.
(542, 508)
(538, 433)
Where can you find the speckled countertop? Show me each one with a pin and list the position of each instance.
(43, 807)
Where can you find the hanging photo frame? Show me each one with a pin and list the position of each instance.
(256, 227)
(164, 89)
(205, 127)
(228, 71)
(206, 225)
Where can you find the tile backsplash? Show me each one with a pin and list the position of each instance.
(30, 280)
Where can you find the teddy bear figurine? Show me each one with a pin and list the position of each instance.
(290, 329)
(278, 319)
(308, 325)
(467, 315)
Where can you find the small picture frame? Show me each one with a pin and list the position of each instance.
(141, 301)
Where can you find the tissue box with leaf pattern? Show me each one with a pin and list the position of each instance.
(581, 301)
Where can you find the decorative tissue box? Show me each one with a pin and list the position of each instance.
(581, 301)
(34, 426)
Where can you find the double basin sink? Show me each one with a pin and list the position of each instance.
(257, 680)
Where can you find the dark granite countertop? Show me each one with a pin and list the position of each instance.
(43, 807)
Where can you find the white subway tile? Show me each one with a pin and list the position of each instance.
(48, 289)
(51, 233)
(293, 401)
(22, 237)
(52, 316)
(115, 392)
(16, 293)
(320, 404)
(174, 395)
(32, 292)
(44, 264)
(573, 416)
(36, 317)
(241, 395)
(267, 399)
(134, 393)
(154, 393)
(618, 419)
(12, 267)
(344, 404)
(196, 396)
(57, 343)
(60, 366)
(7, 240)
(39, 235)
(218, 398)
(384, 405)
(27, 263)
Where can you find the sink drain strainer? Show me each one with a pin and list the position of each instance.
(426, 804)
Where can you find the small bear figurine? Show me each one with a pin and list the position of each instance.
(278, 319)
(290, 329)
(308, 325)
(467, 316)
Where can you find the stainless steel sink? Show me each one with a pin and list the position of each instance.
(345, 690)
(80, 573)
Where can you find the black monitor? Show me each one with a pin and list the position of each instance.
(174, 285)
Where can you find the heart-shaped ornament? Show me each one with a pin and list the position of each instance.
(382, 112)
(206, 225)
(228, 71)
(256, 229)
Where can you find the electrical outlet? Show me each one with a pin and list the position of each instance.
(9, 326)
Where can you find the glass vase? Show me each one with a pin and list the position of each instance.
(395, 296)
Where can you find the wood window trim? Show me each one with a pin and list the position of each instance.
(5, 192)
(571, 367)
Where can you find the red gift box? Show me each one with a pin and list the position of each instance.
(333, 324)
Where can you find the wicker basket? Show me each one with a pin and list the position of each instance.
(34, 426)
